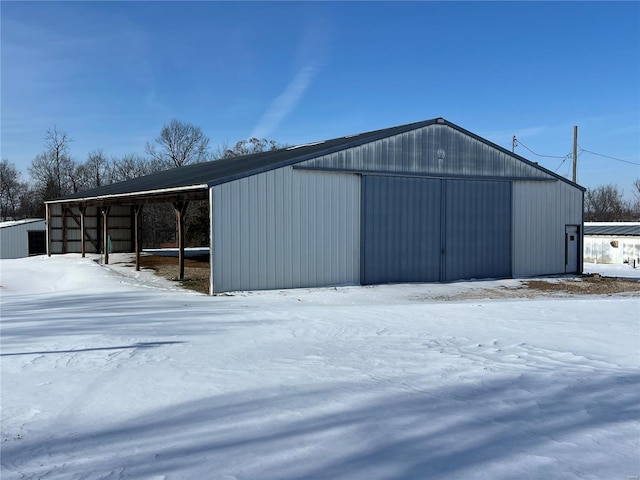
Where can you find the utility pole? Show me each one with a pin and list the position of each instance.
(513, 144)
(575, 154)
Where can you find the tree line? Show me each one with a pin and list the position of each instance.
(54, 173)
(606, 203)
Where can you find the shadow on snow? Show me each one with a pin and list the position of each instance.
(94, 349)
(501, 427)
(33, 318)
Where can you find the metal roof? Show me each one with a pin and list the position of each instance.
(201, 176)
(613, 229)
(14, 223)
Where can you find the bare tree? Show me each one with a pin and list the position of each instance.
(247, 147)
(53, 171)
(127, 167)
(11, 190)
(179, 144)
(94, 172)
(605, 204)
(31, 205)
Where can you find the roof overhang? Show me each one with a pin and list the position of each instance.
(166, 195)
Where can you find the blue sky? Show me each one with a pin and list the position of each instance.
(111, 74)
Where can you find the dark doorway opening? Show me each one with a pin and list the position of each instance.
(37, 243)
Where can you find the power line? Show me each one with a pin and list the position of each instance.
(607, 156)
(538, 154)
(562, 163)
(564, 159)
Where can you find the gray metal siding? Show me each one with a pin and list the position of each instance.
(430, 150)
(286, 229)
(425, 230)
(477, 229)
(400, 230)
(14, 239)
(540, 213)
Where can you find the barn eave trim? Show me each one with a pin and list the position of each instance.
(132, 196)
(425, 175)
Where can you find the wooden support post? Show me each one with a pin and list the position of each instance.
(137, 217)
(181, 209)
(105, 233)
(99, 233)
(83, 210)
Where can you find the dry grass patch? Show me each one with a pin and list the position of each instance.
(196, 270)
(590, 285)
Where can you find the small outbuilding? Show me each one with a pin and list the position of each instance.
(22, 238)
(612, 242)
(423, 202)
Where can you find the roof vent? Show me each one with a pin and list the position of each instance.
(440, 120)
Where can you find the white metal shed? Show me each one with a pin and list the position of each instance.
(21, 238)
(612, 242)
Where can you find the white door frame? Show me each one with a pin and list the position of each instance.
(572, 249)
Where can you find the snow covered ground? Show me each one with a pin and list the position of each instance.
(108, 374)
(622, 270)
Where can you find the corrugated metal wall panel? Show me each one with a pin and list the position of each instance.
(425, 230)
(611, 249)
(540, 213)
(55, 228)
(431, 150)
(284, 229)
(14, 239)
(66, 235)
(13, 242)
(56, 215)
(477, 229)
(400, 230)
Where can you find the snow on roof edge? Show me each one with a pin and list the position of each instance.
(13, 223)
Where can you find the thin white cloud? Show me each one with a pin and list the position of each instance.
(284, 103)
